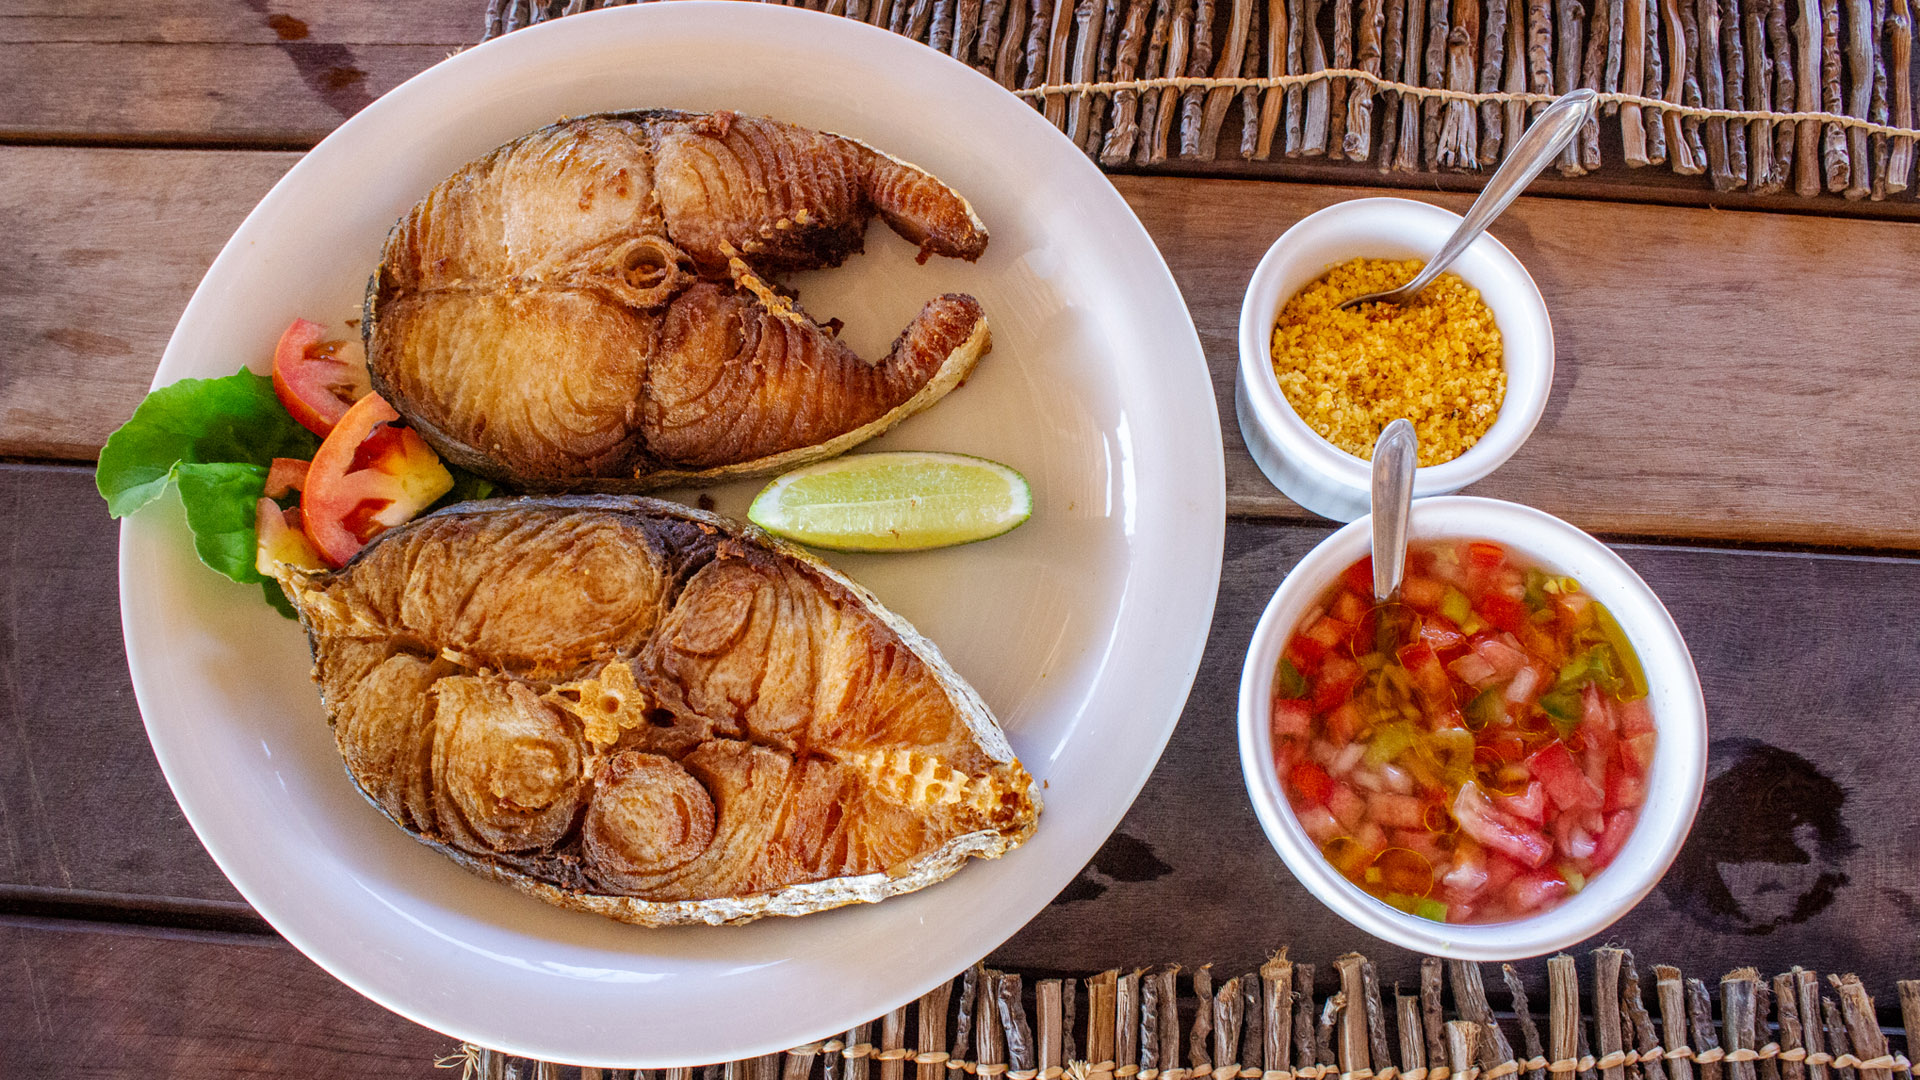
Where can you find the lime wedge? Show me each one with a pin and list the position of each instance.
(906, 501)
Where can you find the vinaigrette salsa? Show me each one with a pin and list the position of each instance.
(1475, 753)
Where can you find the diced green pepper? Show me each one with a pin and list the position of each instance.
(1575, 878)
(1563, 708)
(1455, 605)
(1391, 741)
(1635, 675)
(1288, 682)
(1430, 909)
(1537, 582)
(1488, 708)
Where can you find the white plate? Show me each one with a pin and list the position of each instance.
(1082, 629)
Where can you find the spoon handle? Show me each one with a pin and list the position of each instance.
(1393, 461)
(1540, 144)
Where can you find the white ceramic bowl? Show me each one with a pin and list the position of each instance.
(1673, 785)
(1312, 471)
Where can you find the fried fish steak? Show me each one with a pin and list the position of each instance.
(624, 706)
(588, 307)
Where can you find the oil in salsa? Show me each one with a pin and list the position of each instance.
(1475, 753)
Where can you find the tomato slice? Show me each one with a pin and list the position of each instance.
(351, 496)
(318, 380)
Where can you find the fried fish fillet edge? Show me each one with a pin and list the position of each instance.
(802, 899)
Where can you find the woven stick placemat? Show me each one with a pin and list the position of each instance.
(1280, 1023)
(1722, 89)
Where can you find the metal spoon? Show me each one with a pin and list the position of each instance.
(1393, 461)
(1540, 144)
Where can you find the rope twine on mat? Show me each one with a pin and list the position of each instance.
(1721, 89)
(1277, 1023)
(1473, 97)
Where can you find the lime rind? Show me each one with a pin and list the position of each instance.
(898, 501)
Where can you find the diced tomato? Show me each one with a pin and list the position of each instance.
(278, 539)
(1613, 837)
(1350, 609)
(1342, 723)
(345, 502)
(1501, 870)
(1292, 718)
(1626, 790)
(1347, 805)
(1566, 785)
(1305, 654)
(1473, 669)
(1529, 805)
(1537, 891)
(1594, 712)
(1337, 677)
(1633, 718)
(1359, 576)
(1637, 751)
(1421, 593)
(285, 476)
(316, 380)
(1421, 663)
(1507, 748)
(1441, 633)
(1485, 556)
(1502, 611)
(1419, 841)
(1500, 832)
(1395, 811)
(1330, 632)
(1506, 659)
(1309, 783)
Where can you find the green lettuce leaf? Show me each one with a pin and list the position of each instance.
(215, 439)
(220, 498)
(234, 420)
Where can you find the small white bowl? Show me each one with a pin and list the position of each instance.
(1674, 783)
(1312, 471)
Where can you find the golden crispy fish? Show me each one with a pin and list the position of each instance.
(624, 706)
(586, 308)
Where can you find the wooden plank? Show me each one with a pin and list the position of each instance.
(1721, 375)
(228, 72)
(83, 807)
(1808, 662)
(78, 999)
(105, 248)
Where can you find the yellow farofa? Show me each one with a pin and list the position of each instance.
(1349, 374)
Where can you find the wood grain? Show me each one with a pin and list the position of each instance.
(1716, 375)
(78, 999)
(223, 72)
(104, 250)
(1813, 656)
(83, 807)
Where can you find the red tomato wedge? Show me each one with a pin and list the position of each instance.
(318, 380)
(367, 478)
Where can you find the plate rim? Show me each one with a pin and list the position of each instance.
(1206, 549)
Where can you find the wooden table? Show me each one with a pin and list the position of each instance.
(1735, 407)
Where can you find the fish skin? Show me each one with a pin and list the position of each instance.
(530, 316)
(624, 706)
